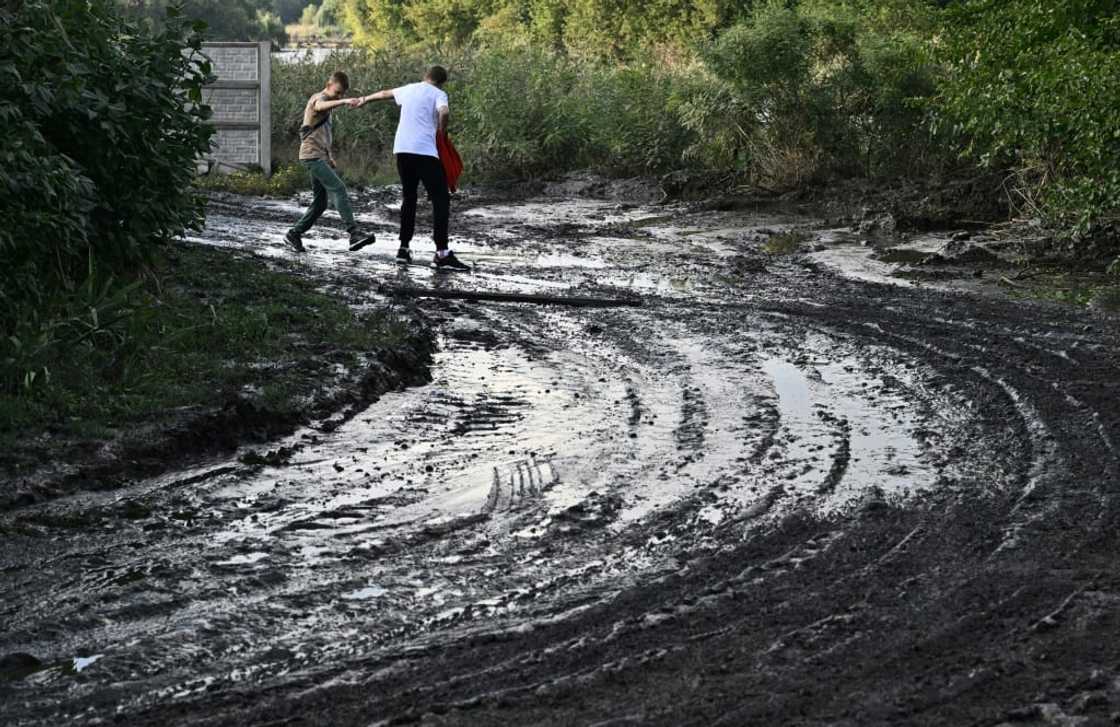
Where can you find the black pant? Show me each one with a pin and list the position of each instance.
(414, 169)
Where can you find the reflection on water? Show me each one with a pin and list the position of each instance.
(309, 55)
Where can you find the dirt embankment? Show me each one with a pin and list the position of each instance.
(906, 207)
(321, 384)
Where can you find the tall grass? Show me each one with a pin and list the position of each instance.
(771, 93)
(787, 99)
(363, 137)
(515, 111)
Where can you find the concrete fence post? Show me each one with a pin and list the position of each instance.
(265, 105)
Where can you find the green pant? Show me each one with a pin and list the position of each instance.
(325, 182)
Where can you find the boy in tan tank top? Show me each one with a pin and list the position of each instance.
(316, 154)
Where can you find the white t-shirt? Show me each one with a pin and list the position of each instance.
(416, 132)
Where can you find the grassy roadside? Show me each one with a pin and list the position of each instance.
(214, 329)
(285, 181)
(290, 178)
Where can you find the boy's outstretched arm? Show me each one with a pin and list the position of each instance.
(385, 95)
(323, 105)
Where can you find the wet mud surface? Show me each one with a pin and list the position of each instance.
(772, 494)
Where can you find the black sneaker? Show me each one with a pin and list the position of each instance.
(404, 256)
(358, 240)
(450, 262)
(294, 240)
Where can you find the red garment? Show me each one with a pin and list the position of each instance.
(452, 163)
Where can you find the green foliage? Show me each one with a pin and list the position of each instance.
(515, 111)
(775, 92)
(513, 114)
(102, 128)
(631, 113)
(329, 14)
(197, 331)
(270, 26)
(621, 29)
(782, 97)
(323, 18)
(1034, 86)
(225, 19)
(289, 10)
(618, 29)
(285, 181)
(380, 23)
(824, 90)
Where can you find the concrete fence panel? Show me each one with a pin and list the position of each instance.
(241, 100)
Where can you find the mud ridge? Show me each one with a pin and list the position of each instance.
(207, 432)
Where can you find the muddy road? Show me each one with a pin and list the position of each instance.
(772, 494)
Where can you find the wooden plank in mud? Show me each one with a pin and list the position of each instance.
(409, 291)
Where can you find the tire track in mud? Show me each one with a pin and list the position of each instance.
(586, 499)
(1044, 462)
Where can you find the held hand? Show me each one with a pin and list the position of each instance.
(353, 102)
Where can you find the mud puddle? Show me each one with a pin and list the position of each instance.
(560, 460)
(946, 261)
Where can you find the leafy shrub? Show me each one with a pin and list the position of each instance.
(1034, 85)
(780, 94)
(285, 181)
(225, 19)
(103, 124)
(766, 61)
(823, 88)
(631, 111)
(363, 137)
(329, 14)
(597, 29)
(506, 124)
(515, 111)
(515, 116)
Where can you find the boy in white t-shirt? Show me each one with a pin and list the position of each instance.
(424, 113)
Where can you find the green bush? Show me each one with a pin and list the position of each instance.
(515, 111)
(789, 94)
(597, 29)
(219, 323)
(823, 88)
(102, 127)
(632, 113)
(285, 181)
(329, 14)
(1034, 86)
(775, 93)
(500, 125)
(225, 19)
(515, 116)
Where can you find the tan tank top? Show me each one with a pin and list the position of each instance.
(317, 144)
